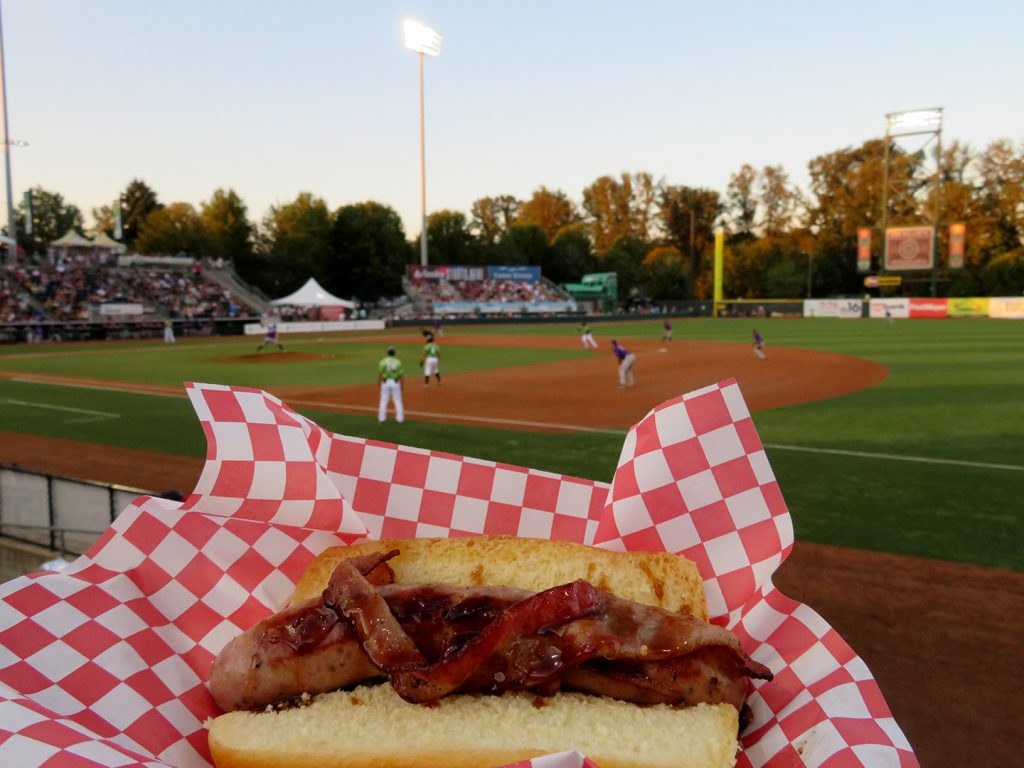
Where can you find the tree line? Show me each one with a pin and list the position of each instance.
(781, 241)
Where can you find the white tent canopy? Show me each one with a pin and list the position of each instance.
(312, 294)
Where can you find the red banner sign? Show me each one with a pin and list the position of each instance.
(909, 248)
(957, 237)
(863, 250)
(929, 308)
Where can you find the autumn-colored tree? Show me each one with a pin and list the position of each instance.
(551, 210)
(779, 201)
(619, 208)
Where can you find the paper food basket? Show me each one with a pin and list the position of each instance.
(105, 663)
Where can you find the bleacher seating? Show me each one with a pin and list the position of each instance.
(76, 289)
(487, 291)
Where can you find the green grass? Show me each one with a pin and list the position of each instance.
(955, 391)
(337, 363)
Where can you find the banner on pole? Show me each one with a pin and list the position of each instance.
(28, 211)
(909, 248)
(957, 237)
(118, 229)
(864, 250)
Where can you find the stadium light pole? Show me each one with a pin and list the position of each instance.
(424, 41)
(12, 232)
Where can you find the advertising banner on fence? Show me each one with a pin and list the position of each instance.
(518, 274)
(957, 237)
(929, 308)
(1003, 307)
(968, 307)
(847, 308)
(120, 309)
(863, 250)
(909, 248)
(890, 308)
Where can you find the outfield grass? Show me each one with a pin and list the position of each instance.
(955, 393)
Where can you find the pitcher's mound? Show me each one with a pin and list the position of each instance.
(274, 356)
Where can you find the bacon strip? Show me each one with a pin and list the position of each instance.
(352, 596)
(531, 616)
(433, 640)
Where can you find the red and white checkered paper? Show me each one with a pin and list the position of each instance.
(106, 663)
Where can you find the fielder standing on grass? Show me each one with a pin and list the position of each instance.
(626, 362)
(431, 361)
(390, 376)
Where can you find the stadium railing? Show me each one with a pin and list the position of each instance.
(62, 514)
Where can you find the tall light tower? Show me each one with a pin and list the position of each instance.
(424, 41)
(12, 246)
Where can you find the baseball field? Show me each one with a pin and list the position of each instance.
(899, 447)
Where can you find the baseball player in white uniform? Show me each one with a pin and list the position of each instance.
(389, 378)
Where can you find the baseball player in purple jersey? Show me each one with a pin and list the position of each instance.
(758, 344)
(270, 337)
(626, 362)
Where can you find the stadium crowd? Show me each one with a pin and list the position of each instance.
(75, 289)
(487, 291)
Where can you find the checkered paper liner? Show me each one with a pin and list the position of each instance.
(106, 663)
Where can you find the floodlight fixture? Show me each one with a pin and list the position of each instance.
(421, 38)
(914, 120)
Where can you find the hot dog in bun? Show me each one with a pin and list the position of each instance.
(479, 652)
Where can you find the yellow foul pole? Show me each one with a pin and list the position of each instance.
(719, 269)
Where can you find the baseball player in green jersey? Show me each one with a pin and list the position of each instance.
(431, 361)
(390, 375)
(586, 336)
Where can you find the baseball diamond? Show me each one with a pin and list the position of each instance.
(838, 392)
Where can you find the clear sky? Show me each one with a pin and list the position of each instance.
(274, 98)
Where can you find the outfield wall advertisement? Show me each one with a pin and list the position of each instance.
(846, 308)
(252, 329)
(969, 307)
(928, 308)
(1010, 308)
(897, 308)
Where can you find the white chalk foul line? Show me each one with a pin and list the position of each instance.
(895, 457)
(459, 417)
(90, 415)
